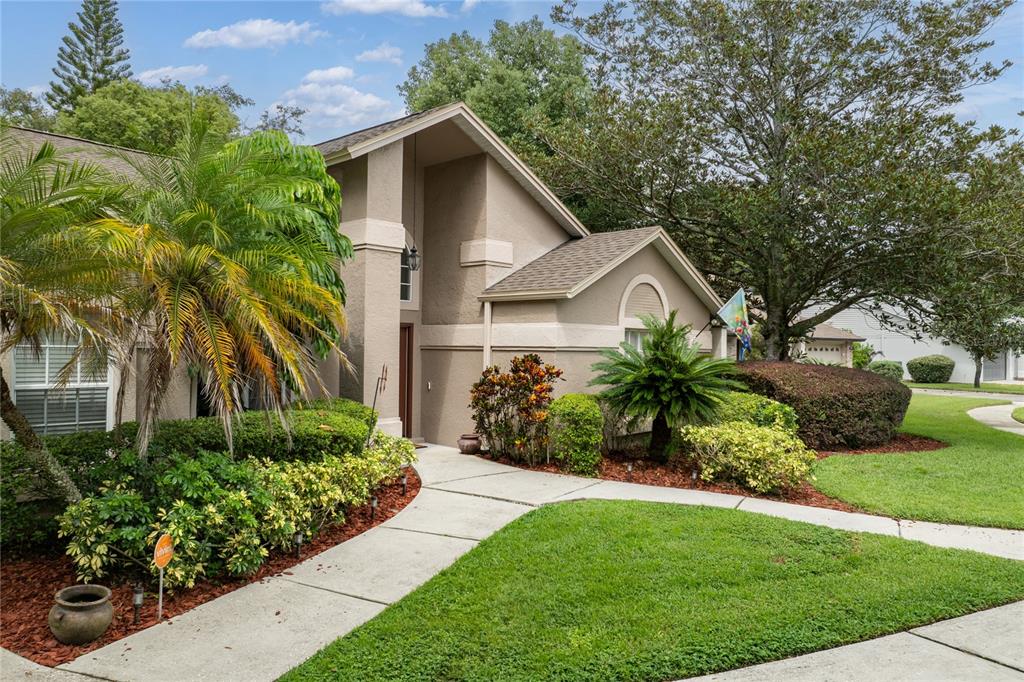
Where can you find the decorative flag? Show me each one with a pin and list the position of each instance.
(734, 314)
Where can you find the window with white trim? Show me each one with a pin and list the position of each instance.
(78, 405)
(635, 338)
(405, 283)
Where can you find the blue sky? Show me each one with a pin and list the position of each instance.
(340, 59)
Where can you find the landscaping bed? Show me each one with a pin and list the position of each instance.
(30, 582)
(601, 590)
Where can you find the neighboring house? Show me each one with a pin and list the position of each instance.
(830, 345)
(893, 345)
(506, 269)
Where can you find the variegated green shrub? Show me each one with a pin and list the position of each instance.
(762, 458)
(224, 516)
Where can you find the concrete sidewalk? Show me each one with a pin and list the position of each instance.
(999, 417)
(263, 630)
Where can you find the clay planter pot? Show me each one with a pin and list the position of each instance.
(82, 613)
(469, 444)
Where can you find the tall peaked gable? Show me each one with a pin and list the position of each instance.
(362, 142)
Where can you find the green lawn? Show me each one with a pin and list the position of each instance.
(978, 480)
(1016, 389)
(1018, 414)
(603, 590)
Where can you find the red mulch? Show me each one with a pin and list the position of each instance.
(680, 475)
(27, 586)
(903, 442)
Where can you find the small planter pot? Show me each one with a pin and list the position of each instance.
(82, 613)
(469, 444)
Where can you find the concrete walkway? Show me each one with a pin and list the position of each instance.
(264, 629)
(999, 417)
(989, 395)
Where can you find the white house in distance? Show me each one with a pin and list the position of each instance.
(893, 345)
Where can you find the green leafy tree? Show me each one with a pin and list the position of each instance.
(152, 119)
(667, 380)
(803, 150)
(22, 108)
(91, 55)
(282, 117)
(235, 251)
(522, 79)
(55, 280)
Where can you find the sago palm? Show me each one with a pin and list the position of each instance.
(667, 380)
(236, 253)
(55, 280)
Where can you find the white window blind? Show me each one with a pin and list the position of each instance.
(635, 338)
(79, 405)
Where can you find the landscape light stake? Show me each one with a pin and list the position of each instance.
(137, 594)
(405, 483)
(298, 537)
(373, 508)
(629, 471)
(382, 383)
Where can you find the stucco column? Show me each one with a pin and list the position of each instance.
(371, 217)
(719, 342)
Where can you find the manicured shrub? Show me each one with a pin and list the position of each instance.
(931, 369)
(510, 409)
(887, 368)
(762, 458)
(223, 514)
(757, 409)
(835, 406)
(24, 517)
(577, 427)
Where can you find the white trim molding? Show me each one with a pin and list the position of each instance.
(374, 234)
(643, 278)
(485, 252)
(503, 336)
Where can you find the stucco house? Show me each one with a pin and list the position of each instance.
(891, 344)
(463, 259)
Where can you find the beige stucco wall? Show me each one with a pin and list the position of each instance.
(514, 216)
(444, 400)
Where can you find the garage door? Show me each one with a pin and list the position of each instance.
(995, 369)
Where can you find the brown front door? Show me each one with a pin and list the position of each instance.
(405, 379)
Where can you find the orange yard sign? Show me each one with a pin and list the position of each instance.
(164, 551)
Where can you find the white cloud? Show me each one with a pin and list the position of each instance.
(468, 5)
(384, 52)
(38, 90)
(253, 33)
(331, 75)
(174, 73)
(409, 8)
(336, 106)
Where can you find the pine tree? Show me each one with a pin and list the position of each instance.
(91, 55)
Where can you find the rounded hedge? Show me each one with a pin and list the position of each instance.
(577, 427)
(835, 406)
(756, 409)
(887, 368)
(931, 369)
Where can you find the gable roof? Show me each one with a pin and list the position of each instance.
(826, 332)
(364, 141)
(570, 268)
(107, 156)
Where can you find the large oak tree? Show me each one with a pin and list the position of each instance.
(803, 150)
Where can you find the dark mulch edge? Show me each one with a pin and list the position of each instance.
(615, 467)
(29, 584)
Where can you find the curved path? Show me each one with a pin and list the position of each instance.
(262, 630)
(999, 417)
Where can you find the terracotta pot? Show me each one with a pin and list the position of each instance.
(82, 613)
(469, 444)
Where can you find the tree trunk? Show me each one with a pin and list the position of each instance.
(661, 438)
(979, 363)
(35, 450)
(776, 343)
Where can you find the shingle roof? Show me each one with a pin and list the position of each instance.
(342, 143)
(826, 332)
(560, 270)
(105, 155)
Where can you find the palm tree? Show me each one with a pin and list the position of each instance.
(236, 251)
(667, 380)
(55, 281)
